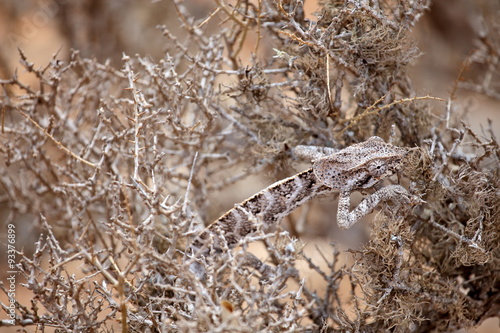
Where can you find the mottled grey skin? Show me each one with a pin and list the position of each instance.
(269, 206)
(359, 166)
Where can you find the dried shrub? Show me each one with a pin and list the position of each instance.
(120, 168)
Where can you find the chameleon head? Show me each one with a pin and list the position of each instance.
(359, 166)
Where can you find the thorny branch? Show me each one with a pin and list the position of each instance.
(174, 143)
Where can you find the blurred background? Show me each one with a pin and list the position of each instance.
(106, 30)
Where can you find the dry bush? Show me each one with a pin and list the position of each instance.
(119, 168)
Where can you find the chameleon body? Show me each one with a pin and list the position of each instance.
(359, 166)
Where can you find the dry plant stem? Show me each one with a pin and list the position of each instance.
(185, 204)
(459, 237)
(139, 102)
(58, 143)
(166, 134)
(216, 10)
(372, 110)
(395, 283)
(448, 155)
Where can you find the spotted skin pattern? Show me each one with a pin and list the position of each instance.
(360, 166)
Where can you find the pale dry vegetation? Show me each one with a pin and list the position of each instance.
(118, 165)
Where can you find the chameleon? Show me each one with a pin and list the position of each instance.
(357, 167)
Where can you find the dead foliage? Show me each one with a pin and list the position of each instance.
(118, 169)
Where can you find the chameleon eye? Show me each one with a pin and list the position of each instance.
(377, 168)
